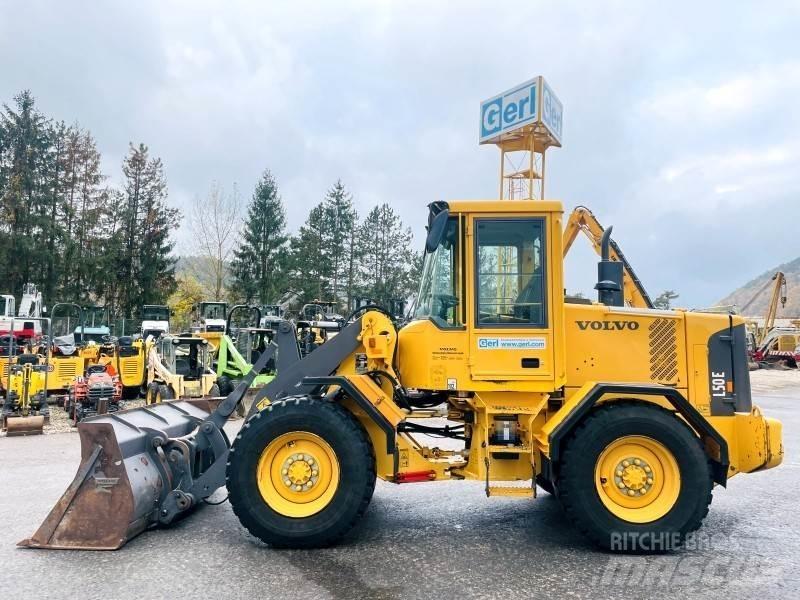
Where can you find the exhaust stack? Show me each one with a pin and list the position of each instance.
(609, 275)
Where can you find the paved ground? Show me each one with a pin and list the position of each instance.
(439, 541)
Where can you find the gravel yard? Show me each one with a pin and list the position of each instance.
(438, 540)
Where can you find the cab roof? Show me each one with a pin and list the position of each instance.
(505, 206)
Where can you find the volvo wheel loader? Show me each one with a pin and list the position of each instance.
(630, 416)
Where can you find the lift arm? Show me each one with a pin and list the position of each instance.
(583, 220)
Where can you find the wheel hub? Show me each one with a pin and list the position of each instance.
(634, 476)
(300, 472)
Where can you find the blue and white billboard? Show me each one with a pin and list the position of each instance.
(531, 102)
(510, 110)
(552, 111)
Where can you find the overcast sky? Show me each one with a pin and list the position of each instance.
(680, 119)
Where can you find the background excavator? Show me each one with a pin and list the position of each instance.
(770, 345)
(583, 220)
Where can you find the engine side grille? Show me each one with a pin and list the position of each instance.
(663, 350)
(67, 369)
(130, 368)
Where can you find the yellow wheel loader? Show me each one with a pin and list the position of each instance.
(631, 416)
(179, 367)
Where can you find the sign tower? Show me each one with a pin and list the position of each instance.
(523, 123)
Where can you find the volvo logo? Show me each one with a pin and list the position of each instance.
(608, 325)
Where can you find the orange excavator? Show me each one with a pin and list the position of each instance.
(582, 219)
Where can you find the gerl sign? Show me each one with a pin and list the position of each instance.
(527, 103)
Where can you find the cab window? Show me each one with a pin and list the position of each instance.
(510, 271)
(439, 293)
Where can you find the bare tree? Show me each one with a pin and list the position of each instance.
(214, 222)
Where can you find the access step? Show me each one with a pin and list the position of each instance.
(512, 491)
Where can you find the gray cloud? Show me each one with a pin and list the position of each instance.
(679, 120)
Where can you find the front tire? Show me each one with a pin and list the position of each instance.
(301, 473)
(634, 478)
(225, 385)
(165, 393)
(151, 395)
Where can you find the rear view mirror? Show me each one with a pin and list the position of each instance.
(436, 230)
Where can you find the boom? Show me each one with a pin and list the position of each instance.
(778, 295)
(583, 220)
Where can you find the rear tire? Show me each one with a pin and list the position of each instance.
(546, 485)
(634, 478)
(263, 450)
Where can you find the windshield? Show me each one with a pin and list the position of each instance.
(2, 306)
(89, 336)
(95, 316)
(188, 359)
(215, 310)
(155, 313)
(439, 297)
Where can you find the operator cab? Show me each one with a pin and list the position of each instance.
(490, 296)
(94, 326)
(186, 356)
(211, 316)
(252, 342)
(155, 320)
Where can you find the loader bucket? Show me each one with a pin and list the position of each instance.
(31, 425)
(121, 480)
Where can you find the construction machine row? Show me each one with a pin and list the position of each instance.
(87, 371)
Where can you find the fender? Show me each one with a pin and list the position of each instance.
(714, 444)
(368, 407)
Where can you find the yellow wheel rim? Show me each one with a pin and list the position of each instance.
(637, 479)
(298, 474)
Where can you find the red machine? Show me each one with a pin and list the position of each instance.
(98, 392)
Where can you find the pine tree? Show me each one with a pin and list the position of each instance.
(25, 138)
(147, 269)
(310, 263)
(387, 264)
(259, 263)
(337, 234)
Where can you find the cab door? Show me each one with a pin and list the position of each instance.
(511, 332)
